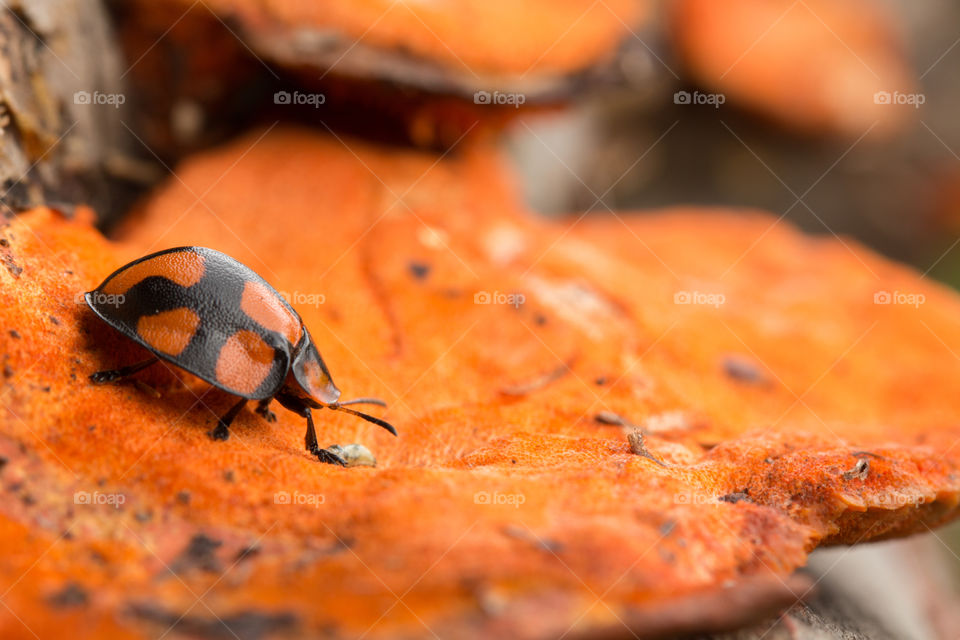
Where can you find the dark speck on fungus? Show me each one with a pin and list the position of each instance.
(245, 625)
(613, 419)
(248, 552)
(736, 496)
(72, 595)
(743, 369)
(419, 270)
(200, 553)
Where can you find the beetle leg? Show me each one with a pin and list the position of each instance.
(263, 410)
(222, 432)
(112, 375)
(310, 440)
(329, 457)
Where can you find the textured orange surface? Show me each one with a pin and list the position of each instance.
(815, 65)
(504, 506)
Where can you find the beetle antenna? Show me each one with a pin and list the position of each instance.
(376, 401)
(377, 421)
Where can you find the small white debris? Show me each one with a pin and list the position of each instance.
(858, 471)
(355, 455)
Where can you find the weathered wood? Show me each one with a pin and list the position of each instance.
(62, 101)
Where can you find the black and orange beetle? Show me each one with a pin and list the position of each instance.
(212, 316)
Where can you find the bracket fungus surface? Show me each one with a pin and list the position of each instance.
(539, 47)
(820, 66)
(791, 391)
(421, 73)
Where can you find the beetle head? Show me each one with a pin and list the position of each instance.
(309, 375)
(309, 386)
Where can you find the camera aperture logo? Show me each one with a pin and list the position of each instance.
(700, 298)
(899, 98)
(499, 98)
(299, 499)
(98, 498)
(499, 499)
(111, 99)
(699, 97)
(497, 297)
(899, 297)
(299, 98)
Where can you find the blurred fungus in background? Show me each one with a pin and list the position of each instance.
(838, 116)
(793, 135)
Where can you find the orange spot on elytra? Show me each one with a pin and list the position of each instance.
(244, 362)
(169, 332)
(183, 267)
(265, 308)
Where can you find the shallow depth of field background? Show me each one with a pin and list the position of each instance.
(900, 197)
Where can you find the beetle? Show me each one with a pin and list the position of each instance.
(214, 317)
